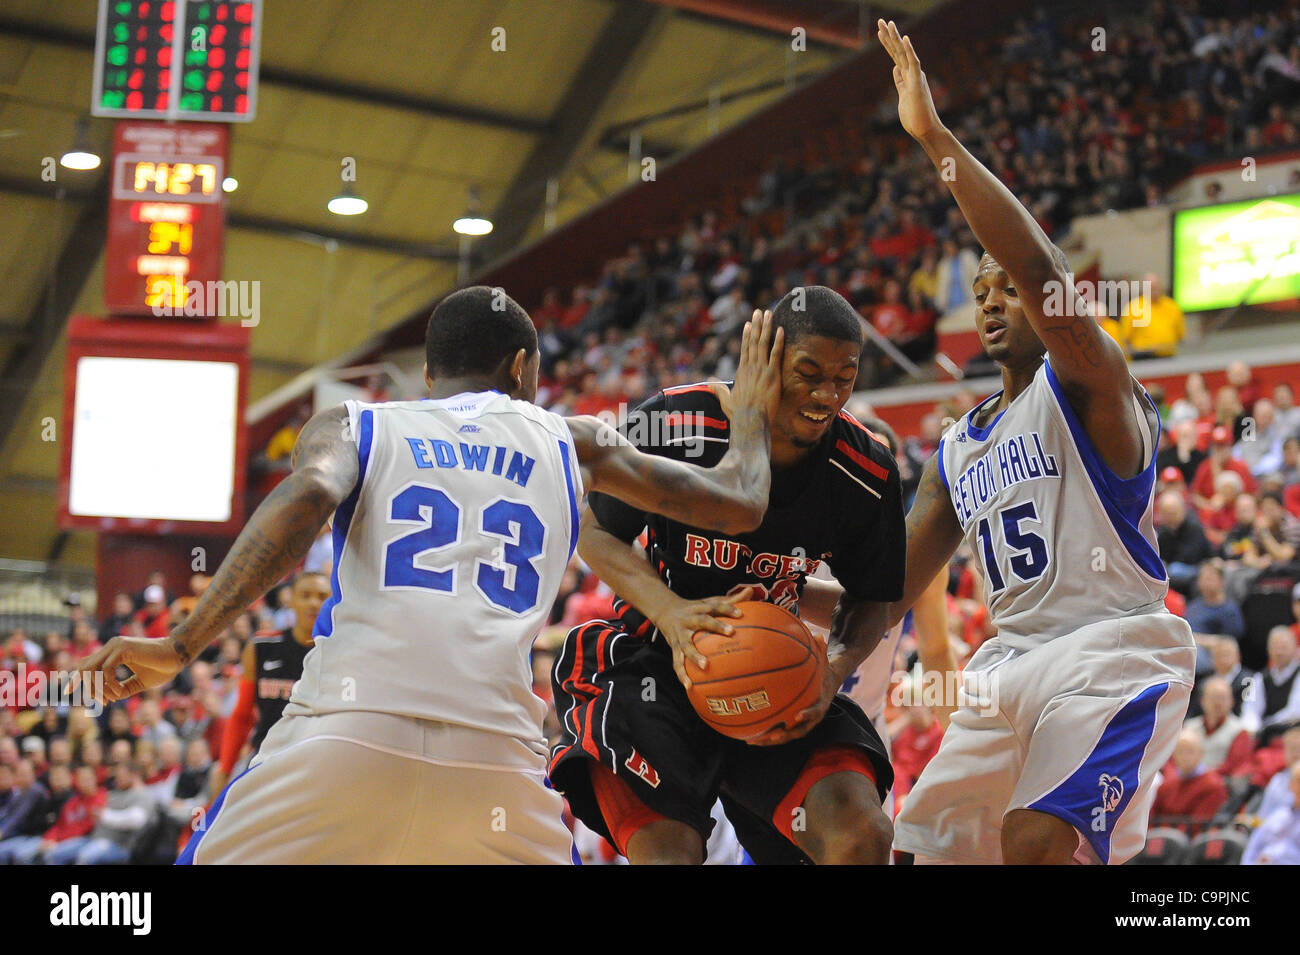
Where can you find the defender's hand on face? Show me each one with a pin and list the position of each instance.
(758, 372)
(684, 618)
(915, 107)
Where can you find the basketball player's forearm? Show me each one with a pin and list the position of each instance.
(623, 567)
(1001, 224)
(857, 627)
(276, 539)
(930, 618)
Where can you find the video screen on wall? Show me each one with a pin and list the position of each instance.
(1238, 253)
(154, 439)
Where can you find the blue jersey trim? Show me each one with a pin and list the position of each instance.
(187, 854)
(324, 625)
(976, 432)
(573, 498)
(943, 471)
(1099, 791)
(1125, 499)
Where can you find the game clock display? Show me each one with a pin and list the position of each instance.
(179, 59)
(166, 218)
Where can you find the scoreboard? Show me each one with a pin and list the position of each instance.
(177, 59)
(166, 218)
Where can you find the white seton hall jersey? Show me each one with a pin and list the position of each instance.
(448, 555)
(1064, 542)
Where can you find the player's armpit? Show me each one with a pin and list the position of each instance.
(933, 535)
(818, 601)
(731, 497)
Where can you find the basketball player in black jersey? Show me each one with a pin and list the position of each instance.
(271, 665)
(635, 761)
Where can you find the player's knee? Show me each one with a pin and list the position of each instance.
(1035, 838)
(845, 824)
(666, 842)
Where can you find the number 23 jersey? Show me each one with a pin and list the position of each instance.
(448, 555)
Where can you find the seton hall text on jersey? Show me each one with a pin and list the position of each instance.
(436, 453)
(1011, 461)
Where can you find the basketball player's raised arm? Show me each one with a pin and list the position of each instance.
(731, 497)
(275, 540)
(1090, 366)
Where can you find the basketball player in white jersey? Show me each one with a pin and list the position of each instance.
(1078, 700)
(413, 734)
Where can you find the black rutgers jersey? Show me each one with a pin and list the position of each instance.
(842, 505)
(279, 665)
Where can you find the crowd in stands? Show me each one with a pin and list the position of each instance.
(1072, 131)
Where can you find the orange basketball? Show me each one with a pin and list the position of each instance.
(760, 677)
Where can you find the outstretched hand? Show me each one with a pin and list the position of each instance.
(758, 372)
(915, 106)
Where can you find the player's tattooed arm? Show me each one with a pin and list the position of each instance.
(276, 538)
(731, 497)
(933, 535)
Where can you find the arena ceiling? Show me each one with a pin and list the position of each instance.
(414, 92)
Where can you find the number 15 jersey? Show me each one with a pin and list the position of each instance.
(1063, 540)
(448, 555)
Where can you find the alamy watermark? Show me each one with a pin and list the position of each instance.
(690, 429)
(1109, 298)
(36, 688)
(170, 297)
(948, 689)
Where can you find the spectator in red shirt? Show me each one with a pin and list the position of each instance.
(76, 821)
(1220, 460)
(913, 746)
(1189, 793)
(154, 617)
(84, 641)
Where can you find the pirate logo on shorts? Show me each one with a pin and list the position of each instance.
(1112, 791)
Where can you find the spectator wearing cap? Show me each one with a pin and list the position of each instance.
(1277, 840)
(1182, 541)
(1220, 459)
(1189, 791)
(1182, 452)
(154, 617)
(1227, 744)
(1273, 706)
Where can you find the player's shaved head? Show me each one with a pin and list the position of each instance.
(817, 310)
(474, 330)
